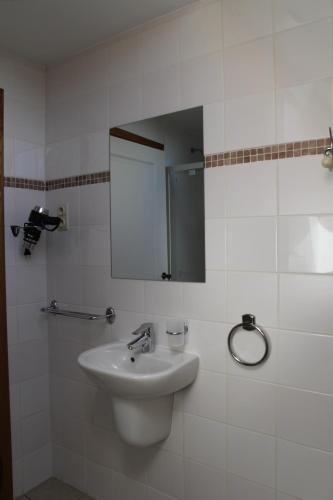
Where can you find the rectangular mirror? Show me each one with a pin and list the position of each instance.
(157, 198)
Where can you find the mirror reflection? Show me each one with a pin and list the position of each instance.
(157, 198)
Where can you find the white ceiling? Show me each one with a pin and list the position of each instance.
(50, 31)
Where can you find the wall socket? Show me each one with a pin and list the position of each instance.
(62, 212)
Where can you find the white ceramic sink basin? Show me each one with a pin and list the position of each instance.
(142, 375)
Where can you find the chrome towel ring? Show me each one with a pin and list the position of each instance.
(249, 323)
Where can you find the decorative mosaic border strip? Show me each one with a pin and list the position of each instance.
(264, 153)
(77, 180)
(66, 182)
(16, 182)
(237, 157)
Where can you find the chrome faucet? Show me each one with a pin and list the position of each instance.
(144, 340)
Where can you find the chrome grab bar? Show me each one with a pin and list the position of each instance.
(53, 308)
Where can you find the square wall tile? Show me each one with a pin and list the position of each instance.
(69, 432)
(305, 361)
(15, 401)
(257, 126)
(94, 111)
(29, 122)
(206, 301)
(254, 293)
(243, 181)
(125, 102)
(99, 481)
(63, 159)
(159, 45)
(127, 295)
(31, 324)
(161, 91)
(216, 244)
(163, 298)
(35, 432)
(305, 244)
(214, 127)
(201, 31)
(303, 112)
(37, 467)
(94, 152)
(205, 441)
(289, 14)
(153, 494)
(201, 80)
(35, 395)
(204, 482)
(124, 58)
(127, 488)
(251, 404)
(209, 341)
(241, 21)
(284, 496)
(29, 160)
(95, 245)
(94, 72)
(175, 440)
(70, 467)
(206, 397)
(63, 120)
(215, 192)
(249, 68)
(28, 360)
(240, 488)
(251, 244)
(305, 302)
(166, 473)
(304, 472)
(68, 284)
(243, 445)
(304, 417)
(314, 186)
(97, 195)
(296, 47)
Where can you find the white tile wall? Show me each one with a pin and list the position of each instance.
(249, 68)
(295, 47)
(241, 21)
(291, 14)
(23, 84)
(263, 71)
(302, 112)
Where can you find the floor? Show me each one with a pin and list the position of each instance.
(53, 489)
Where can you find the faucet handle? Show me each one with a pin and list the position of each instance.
(144, 328)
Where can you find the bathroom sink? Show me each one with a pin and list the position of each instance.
(139, 376)
(141, 386)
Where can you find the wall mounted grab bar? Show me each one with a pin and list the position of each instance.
(53, 308)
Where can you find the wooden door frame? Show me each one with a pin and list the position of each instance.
(6, 482)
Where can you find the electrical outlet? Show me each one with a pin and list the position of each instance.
(62, 212)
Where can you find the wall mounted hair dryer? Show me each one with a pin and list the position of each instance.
(39, 220)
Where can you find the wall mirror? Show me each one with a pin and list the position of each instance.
(157, 198)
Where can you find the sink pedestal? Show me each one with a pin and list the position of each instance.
(143, 422)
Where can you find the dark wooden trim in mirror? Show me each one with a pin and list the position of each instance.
(139, 139)
(6, 486)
